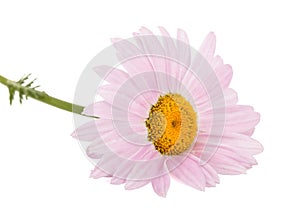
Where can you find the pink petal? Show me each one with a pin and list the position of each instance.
(124, 168)
(108, 92)
(100, 109)
(134, 118)
(206, 76)
(241, 119)
(230, 97)
(119, 145)
(122, 96)
(130, 185)
(172, 66)
(208, 46)
(145, 31)
(137, 65)
(145, 164)
(117, 181)
(211, 176)
(190, 173)
(151, 45)
(156, 55)
(184, 53)
(242, 143)
(110, 162)
(92, 130)
(111, 75)
(98, 173)
(239, 143)
(234, 119)
(115, 40)
(224, 74)
(199, 95)
(146, 168)
(228, 154)
(96, 149)
(227, 166)
(249, 132)
(140, 107)
(122, 101)
(205, 103)
(216, 61)
(133, 57)
(161, 185)
(182, 36)
(163, 31)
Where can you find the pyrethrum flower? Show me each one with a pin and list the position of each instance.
(166, 110)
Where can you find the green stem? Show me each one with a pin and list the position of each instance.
(42, 96)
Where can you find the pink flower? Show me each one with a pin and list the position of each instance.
(167, 110)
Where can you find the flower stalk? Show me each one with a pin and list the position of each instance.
(29, 91)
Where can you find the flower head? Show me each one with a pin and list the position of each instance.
(166, 109)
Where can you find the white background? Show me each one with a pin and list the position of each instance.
(43, 169)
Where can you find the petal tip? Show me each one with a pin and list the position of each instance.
(74, 134)
(115, 40)
(145, 30)
(163, 195)
(212, 35)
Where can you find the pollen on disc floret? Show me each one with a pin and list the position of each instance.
(172, 124)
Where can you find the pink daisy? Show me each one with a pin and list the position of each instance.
(167, 111)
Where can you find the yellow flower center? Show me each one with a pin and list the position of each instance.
(172, 124)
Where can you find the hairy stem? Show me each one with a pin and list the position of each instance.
(40, 96)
